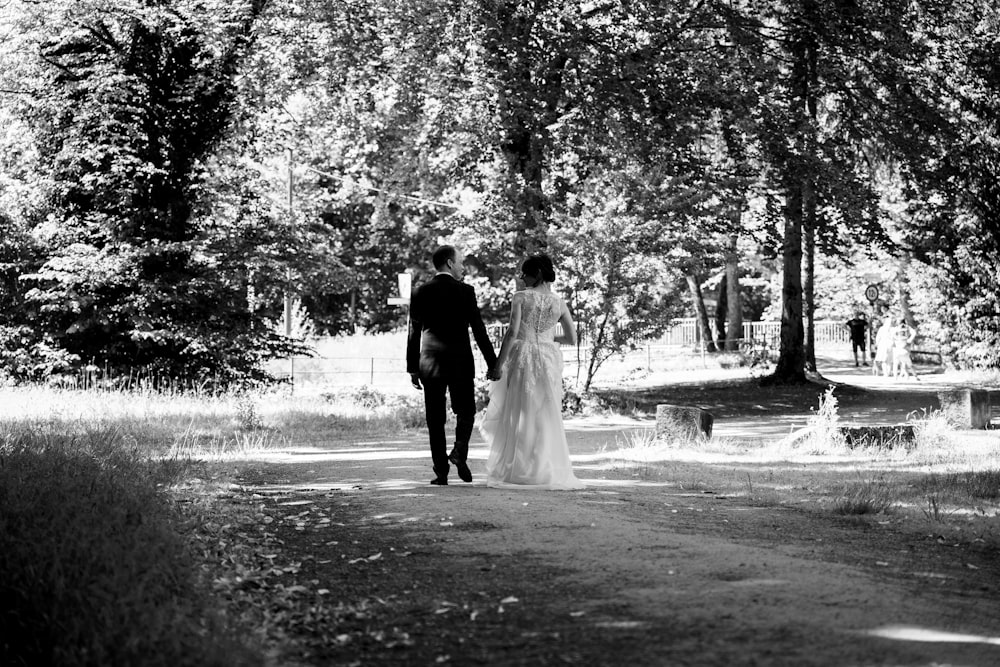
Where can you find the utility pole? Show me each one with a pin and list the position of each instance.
(288, 273)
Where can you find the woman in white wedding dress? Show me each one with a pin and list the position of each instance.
(523, 422)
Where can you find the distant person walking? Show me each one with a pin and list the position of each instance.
(902, 339)
(883, 347)
(858, 326)
(439, 358)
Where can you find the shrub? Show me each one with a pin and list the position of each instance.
(409, 409)
(482, 393)
(572, 401)
(25, 356)
(247, 415)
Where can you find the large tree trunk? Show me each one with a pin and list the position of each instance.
(701, 314)
(734, 302)
(791, 359)
(797, 167)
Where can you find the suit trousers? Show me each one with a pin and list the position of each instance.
(463, 404)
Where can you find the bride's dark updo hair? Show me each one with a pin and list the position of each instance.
(539, 267)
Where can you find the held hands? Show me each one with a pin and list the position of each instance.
(494, 373)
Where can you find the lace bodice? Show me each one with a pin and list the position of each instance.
(540, 312)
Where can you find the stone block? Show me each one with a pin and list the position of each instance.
(884, 436)
(966, 408)
(681, 422)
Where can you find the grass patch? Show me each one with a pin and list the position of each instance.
(872, 495)
(637, 450)
(759, 495)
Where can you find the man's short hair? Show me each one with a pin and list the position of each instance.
(442, 256)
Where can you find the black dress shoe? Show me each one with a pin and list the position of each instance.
(464, 473)
(440, 481)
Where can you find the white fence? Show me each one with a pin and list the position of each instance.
(685, 333)
(680, 345)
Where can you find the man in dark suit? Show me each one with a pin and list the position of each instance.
(439, 357)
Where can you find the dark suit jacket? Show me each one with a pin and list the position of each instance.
(437, 346)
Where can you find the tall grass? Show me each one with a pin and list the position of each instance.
(868, 495)
(94, 571)
(204, 425)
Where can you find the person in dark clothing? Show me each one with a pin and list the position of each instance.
(439, 358)
(858, 326)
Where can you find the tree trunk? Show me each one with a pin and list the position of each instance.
(721, 308)
(903, 289)
(701, 315)
(796, 166)
(734, 302)
(791, 359)
(595, 350)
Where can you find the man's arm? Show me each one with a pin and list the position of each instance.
(413, 341)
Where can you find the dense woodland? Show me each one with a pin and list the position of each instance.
(173, 170)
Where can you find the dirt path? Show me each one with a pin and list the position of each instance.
(628, 571)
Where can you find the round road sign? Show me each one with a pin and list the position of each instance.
(871, 293)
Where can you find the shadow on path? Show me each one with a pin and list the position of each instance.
(743, 409)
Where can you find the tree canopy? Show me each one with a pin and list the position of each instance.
(176, 171)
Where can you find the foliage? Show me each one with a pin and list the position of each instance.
(618, 291)
(24, 357)
(132, 104)
(174, 168)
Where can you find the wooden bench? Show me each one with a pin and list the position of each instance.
(927, 357)
(883, 436)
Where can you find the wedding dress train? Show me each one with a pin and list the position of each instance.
(523, 422)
